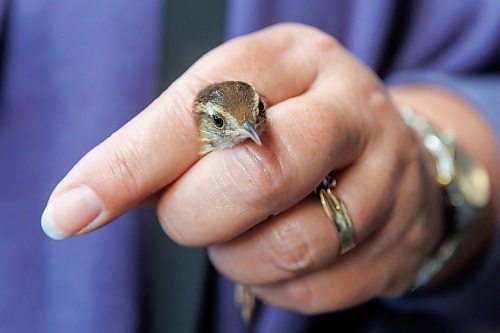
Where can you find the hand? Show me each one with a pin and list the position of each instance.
(252, 205)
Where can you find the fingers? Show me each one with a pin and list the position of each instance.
(303, 239)
(160, 144)
(294, 242)
(360, 275)
(354, 278)
(302, 273)
(230, 191)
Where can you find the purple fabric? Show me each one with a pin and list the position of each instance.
(74, 71)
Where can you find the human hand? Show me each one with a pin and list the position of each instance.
(251, 205)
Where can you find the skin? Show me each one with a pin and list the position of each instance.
(252, 205)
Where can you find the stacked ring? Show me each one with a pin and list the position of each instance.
(337, 213)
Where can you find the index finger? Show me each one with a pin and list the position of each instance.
(161, 143)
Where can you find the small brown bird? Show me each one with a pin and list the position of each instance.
(227, 113)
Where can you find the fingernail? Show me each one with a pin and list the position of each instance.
(72, 211)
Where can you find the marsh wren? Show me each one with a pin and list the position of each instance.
(228, 113)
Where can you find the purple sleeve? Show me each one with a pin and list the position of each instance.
(456, 46)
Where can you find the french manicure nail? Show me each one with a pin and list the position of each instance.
(72, 211)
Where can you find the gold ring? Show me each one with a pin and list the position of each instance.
(337, 213)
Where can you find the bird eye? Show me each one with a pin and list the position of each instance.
(262, 108)
(218, 121)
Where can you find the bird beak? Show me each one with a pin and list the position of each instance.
(248, 131)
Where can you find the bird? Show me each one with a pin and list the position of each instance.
(227, 113)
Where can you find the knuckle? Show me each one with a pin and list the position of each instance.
(323, 42)
(321, 39)
(180, 94)
(409, 146)
(290, 250)
(417, 237)
(324, 125)
(125, 168)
